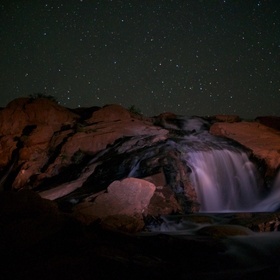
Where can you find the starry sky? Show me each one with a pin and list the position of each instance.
(190, 57)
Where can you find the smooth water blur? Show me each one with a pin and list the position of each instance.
(227, 181)
(223, 176)
(271, 202)
(224, 180)
(256, 250)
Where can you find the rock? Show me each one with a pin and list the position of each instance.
(258, 222)
(24, 111)
(157, 179)
(226, 118)
(163, 202)
(167, 120)
(94, 138)
(28, 126)
(222, 231)
(109, 113)
(264, 142)
(73, 158)
(7, 146)
(176, 172)
(125, 202)
(17, 118)
(130, 196)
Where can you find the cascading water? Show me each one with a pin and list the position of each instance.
(270, 203)
(223, 176)
(224, 180)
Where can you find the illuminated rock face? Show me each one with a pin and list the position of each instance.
(24, 112)
(74, 156)
(264, 142)
(126, 199)
(28, 126)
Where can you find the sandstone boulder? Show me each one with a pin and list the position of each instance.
(262, 140)
(125, 201)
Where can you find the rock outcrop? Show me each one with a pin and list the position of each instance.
(60, 154)
(87, 158)
(264, 142)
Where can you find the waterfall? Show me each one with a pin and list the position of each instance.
(272, 201)
(223, 176)
(225, 180)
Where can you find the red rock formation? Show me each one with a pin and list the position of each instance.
(262, 140)
(34, 122)
(58, 153)
(24, 111)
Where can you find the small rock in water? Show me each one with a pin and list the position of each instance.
(220, 231)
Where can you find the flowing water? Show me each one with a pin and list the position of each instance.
(227, 181)
(224, 178)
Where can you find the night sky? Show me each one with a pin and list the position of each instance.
(190, 57)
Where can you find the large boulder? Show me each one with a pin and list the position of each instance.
(122, 207)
